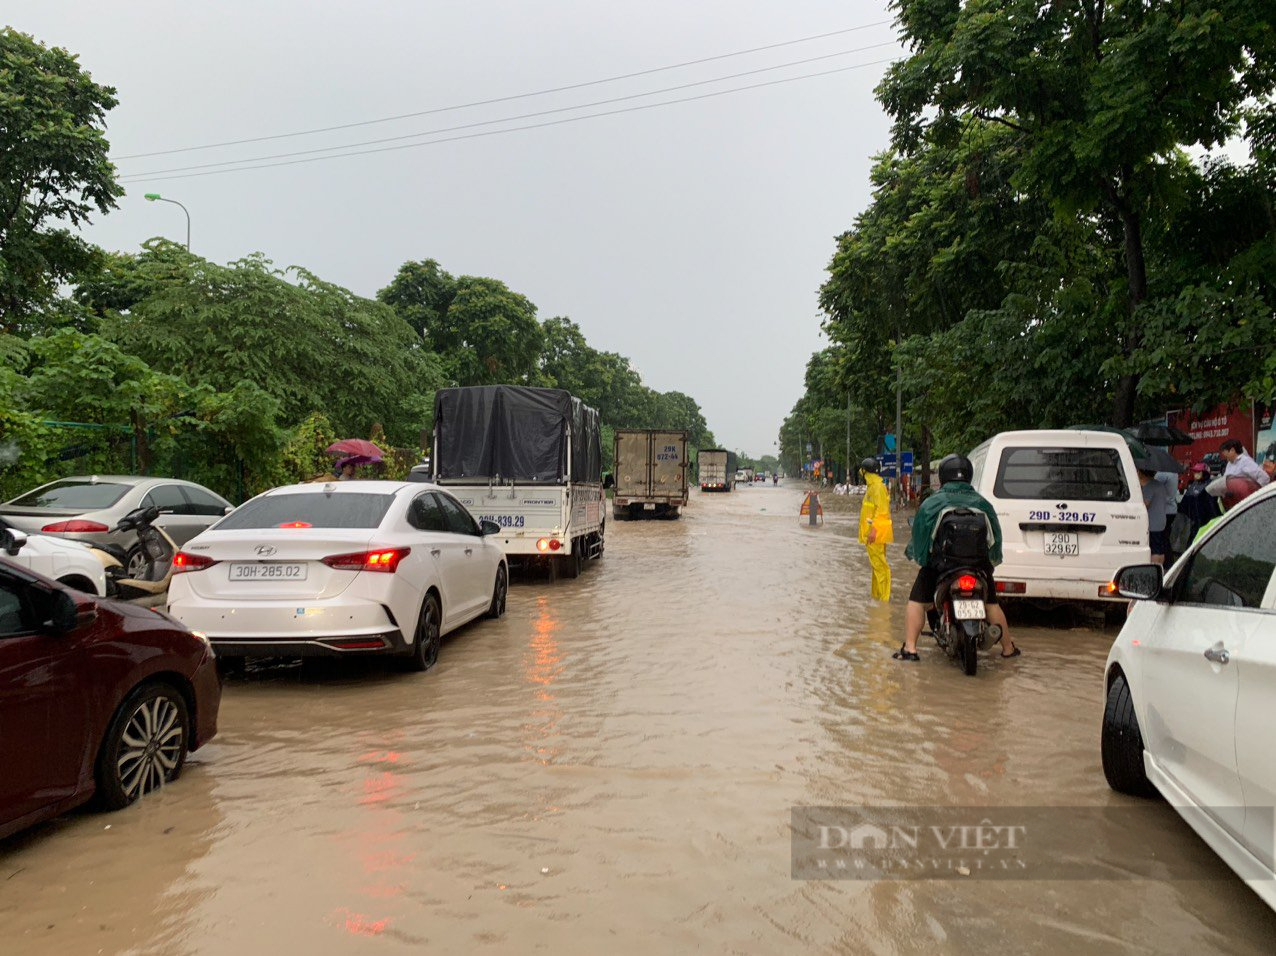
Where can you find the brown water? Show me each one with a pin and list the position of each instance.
(640, 733)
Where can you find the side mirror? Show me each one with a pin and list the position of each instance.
(12, 540)
(228, 509)
(489, 528)
(1139, 582)
(62, 614)
(609, 481)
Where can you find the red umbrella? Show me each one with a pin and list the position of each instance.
(356, 446)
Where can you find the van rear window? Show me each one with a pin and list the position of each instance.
(1066, 474)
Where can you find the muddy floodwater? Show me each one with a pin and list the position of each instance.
(611, 768)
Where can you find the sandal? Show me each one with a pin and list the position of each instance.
(906, 655)
(1014, 653)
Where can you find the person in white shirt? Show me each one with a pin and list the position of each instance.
(1241, 465)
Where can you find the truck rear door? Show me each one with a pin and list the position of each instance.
(668, 463)
(633, 464)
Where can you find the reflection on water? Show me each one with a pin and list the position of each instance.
(611, 768)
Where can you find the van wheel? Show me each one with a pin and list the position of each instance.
(428, 637)
(145, 746)
(1122, 743)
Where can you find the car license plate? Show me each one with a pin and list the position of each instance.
(649, 507)
(1062, 544)
(968, 610)
(267, 571)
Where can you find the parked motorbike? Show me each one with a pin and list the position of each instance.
(149, 588)
(959, 618)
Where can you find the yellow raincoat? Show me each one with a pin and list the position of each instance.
(875, 516)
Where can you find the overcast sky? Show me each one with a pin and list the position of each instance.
(691, 238)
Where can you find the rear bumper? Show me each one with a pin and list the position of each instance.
(1053, 589)
(284, 629)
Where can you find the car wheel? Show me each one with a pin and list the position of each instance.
(145, 745)
(500, 591)
(1122, 743)
(428, 636)
(134, 563)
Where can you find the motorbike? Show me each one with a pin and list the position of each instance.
(150, 586)
(959, 617)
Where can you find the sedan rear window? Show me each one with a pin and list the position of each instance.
(1065, 474)
(309, 511)
(73, 496)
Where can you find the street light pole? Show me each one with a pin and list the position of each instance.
(156, 197)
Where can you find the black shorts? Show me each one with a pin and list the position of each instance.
(1160, 541)
(923, 591)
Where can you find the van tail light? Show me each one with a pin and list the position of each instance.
(75, 526)
(383, 560)
(967, 582)
(1011, 587)
(184, 561)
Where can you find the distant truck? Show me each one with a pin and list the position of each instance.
(716, 469)
(529, 459)
(650, 472)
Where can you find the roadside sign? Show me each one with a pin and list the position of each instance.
(888, 464)
(805, 511)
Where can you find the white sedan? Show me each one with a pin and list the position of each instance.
(1191, 689)
(70, 562)
(346, 567)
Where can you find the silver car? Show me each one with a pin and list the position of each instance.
(88, 507)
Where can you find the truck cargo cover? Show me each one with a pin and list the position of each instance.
(515, 432)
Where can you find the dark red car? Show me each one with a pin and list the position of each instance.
(97, 699)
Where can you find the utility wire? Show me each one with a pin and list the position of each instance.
(506, 99)
(517, 129)
(506, 119)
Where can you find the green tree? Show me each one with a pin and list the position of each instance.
(1100, 95)
(421, 293)
(54, 173)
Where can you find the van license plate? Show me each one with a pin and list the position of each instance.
(968, 610)
(273, 571)
(1062, 544)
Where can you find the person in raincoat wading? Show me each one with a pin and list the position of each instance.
(876, 531)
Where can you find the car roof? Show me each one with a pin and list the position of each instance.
(358, 485)
(137, 480)
(1055, 436)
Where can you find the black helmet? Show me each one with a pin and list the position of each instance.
(870, 466)
(955, 468)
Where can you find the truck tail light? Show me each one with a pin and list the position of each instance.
(545, 545)
(383, 560)
(184, 561)
(75, 526)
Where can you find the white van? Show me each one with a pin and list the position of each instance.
(1071, 512)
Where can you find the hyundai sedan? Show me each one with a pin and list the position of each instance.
(1191, 689)
(344, 567)
(97, 699)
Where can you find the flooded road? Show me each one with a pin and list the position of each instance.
(611, 768)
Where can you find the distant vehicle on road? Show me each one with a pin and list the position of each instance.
(347, 567)
(67, 562)
(87, 507)
(1191, 689)
(1071, 512)
(97, 699)
(530, 460)
(715, 468)
(651, 473)
(744, 476)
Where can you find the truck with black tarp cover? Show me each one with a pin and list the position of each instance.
(529, 459)
(650, 472)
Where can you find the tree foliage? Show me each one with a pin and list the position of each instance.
(54, 173)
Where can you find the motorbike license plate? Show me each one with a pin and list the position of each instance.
(1062, 544)
(968, 610)
(267, 571)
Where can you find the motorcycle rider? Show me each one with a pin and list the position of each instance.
(876, 530)
(955, 491)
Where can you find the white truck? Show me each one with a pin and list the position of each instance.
(650, 472)
(529, 459)
(716, 469)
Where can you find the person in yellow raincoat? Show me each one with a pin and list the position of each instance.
(876, 530)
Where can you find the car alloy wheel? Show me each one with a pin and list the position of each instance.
(145, 746)
(428, 636)
(500, 591)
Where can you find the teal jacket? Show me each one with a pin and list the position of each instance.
(955, 494)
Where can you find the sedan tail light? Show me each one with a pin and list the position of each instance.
(75, 526)
(384, 560)
(184, 561)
